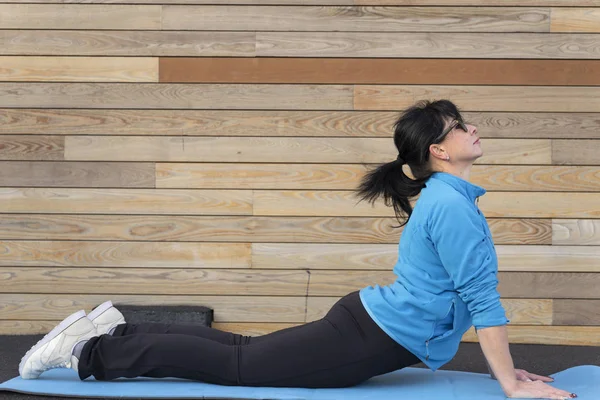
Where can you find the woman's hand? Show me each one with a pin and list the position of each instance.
(531, 389)
(525, 376)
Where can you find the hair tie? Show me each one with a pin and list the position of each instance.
(400, 160)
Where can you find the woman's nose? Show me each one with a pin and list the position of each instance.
(473, 129)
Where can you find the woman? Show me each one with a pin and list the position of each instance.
(446, 282)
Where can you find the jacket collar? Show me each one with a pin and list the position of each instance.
(466, 188)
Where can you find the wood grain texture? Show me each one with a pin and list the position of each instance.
(531, 285)
(240, 229)
(492, 204)
(124, 201)
(384, 256)
(153, 280)
(379, 71)
(517, 3)
(226, 308)
(125, 254)
(481, 98)
(20, 147)
(575, 152)
(77, 174)
(127, 43)
(75, 16)
(428, 45)
(188, 96)
(78, 69)
(518, 311)
(280, 123)
(360, 19)
(576, 312)
(573, 232)
(575, 20)
(229, 149)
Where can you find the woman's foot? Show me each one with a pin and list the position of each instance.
(55, 350)
(105, 318)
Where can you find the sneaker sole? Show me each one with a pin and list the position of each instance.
(96, 312)
(70, 320)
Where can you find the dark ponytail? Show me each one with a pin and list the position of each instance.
(414, 131)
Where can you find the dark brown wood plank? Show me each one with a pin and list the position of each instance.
(20, 42)
(240, 229)
(280, 123)
(576, 312)
(384, 71)
(77, 174)
(22, 147)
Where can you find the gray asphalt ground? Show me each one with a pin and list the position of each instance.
(539, 359)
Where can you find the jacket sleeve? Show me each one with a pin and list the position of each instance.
(459, 237)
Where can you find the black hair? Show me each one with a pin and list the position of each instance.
(414, 131)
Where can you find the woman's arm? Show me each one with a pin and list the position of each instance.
(494, 344)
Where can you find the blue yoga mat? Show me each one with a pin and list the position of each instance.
(408, 383)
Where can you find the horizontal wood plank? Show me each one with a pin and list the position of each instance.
(493, 204)
(517, 3)
(125, 254)
(78, 69)
(19, 147)
(153, 280)
(348, 176)
(77, 174)
(240, 229)
(529, 285)
(575, 152)
(80, 16)
(188, 96)
(281, 123)
(127, 43)
(428, 45)
(379, 71)
(281, 149)
(575, 19)
(360, 19)
(124, 201)
(573, 232)
(481, 98)
(576, 312)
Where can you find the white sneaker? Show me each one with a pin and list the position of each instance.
(105, 317)
(55, 350)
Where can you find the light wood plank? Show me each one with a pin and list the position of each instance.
(360, 19)
(518, 311)
(348, 176)
(481, 98)
(385, 256)
(125, 254)
(576, 312)
(153, 280)
(576, 232)
(553, 335)
(75, 16)
(231, 149)
(428, 45)
(18, 327)
(492, 204)
(280, 123)
(124, 201)
(127, 43)
(575, 19)
(239, 229)
(20, 147)
(557, 3)
(226, 308)
(78, 69)
(571, 152)
(77, 174)
(532, 285)
(189, 96)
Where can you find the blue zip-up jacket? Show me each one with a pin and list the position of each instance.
(446, 274)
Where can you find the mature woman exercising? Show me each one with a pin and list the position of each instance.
(446, 282)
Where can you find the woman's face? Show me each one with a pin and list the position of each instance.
(461, 145)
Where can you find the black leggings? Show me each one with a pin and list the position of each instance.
(342, 349)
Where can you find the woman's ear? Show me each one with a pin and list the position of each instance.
(438, 152)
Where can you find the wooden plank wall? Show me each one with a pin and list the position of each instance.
(205, 152)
